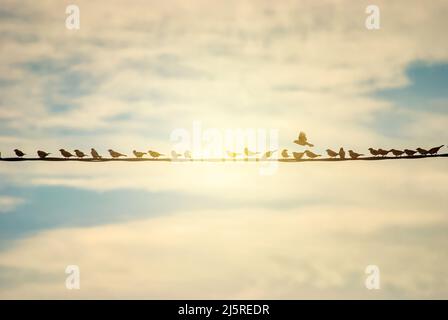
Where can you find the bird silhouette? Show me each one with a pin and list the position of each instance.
(409, 153)
(19, 153)
(232, 154)
(373, 152)
(42, 154)
(331, 153)
(175, 155)
(422, 151)
(298, 155)
(285, 153)
(397, 153)
(354, 155)
(435, 150)
(311, 155)
(302, 140)
(138, 154)
(65, 153)
(155, 154)
(342, 153)
(187, 154)
(115, 154)
(383, 152)
(249, 153)
(80, 154)
(95, 154)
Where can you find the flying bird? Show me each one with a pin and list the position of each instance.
(331, 153)
(342, 153)
(383, 152)
(435, 150)
(175, 155)
(155, 154)
(373, 152)
(302, 140)
(138, 154)
(95, 154)
(42, 154)
(397, 153)
(65, 153)
(19, 153)
(354, 155)
(249, 153)
(409, 153)
(187, 154)
(422, 151)
(311, 155)
(285, 153)
(115, 154)
(298, 155)
(80, 154)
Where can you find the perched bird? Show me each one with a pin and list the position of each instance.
(138, 154)
(302, 140)
(285, 153)
(435, 150)
(298, 155)
(311, 155)
(232, 154)
(42, 154)
(65, 153)
(155, 154)
(115, 154)
(373, 152)
(354, 155)
(187, 154)
(95, 154)
(342, 153)
(19, 153)
(383, 152)
(331, 153)
(268, 154)
(80, 154)
(397, 153)
(249, 153)
(422, 151)
(409, 153)
(175, 155)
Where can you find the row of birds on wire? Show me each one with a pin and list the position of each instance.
(301, 140)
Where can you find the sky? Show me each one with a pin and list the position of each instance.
(135, 72)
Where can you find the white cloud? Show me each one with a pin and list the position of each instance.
(241, 54)
(291, 65)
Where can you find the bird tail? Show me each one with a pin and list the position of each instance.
(309, 144)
